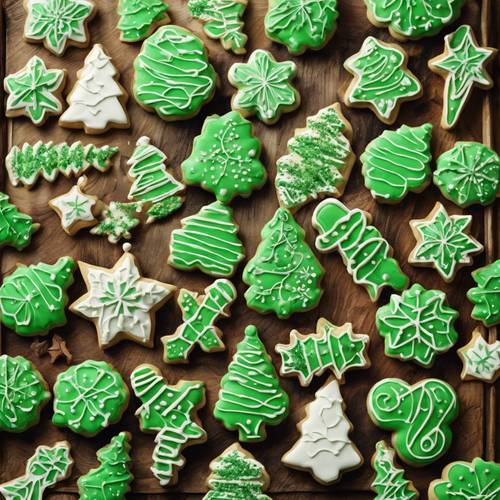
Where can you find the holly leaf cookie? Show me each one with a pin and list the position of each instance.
(16, 228)
(140, 18)
(486, 295)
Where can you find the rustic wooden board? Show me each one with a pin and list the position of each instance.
(321, 81)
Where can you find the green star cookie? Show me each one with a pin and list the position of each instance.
(486, 295)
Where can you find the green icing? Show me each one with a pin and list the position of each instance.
(89, 397)
(467, 481)
(397, 162)
(170, 412)
(138, 18)
(32, 91)
(364, 250)
(165, 208)
(417, 325)
(173, 76)
(318, 162)
(443, 242)
(382, 80)
(208, 241)
(199, 313)
(110, 481)
(264, 87)
(468, 174)
(301, 24)
(33, 298)
(222, 20)
(16, 228)
(284, 275)
(332, 347)
(117, 221)
(419, 415)
(225, 158)
(23, 394)
(486, 295)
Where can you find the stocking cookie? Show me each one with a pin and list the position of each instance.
(117, 220)
(486, 295)
(16, 228)
(140, 18)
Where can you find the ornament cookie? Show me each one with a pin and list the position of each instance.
(59, 24)
(419, 416)
(120, 302)
(173, 76)
(250, 395)
(443, 242)
(284, 275)
(226, 158)
(117, 220)
(48, 466)
(319, 160)
(264, 87)
(199, 312)
(324, 448)
(417, 325)
(16, 228)
(23, 394)
(367, 255)
(397, 162)
(382, 80)
(169, 411)
(89, 397)
(35, 92)
(468, 174)
(486, 295)
(334, 348)
(140, 18)
(33, 298)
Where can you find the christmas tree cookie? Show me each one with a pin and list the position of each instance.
(417, 325)
(284, 275)
(319, 160)
(169, 411)
(208, 241)
(264, 87)
(35, 92)
(389, 482)
(382, 80)
(111, 480)
(419, 416)
(222, 19)
(152, 184)
(48, 466)
(301, 24)
(324, 448)
(117, 220)
(16, 228)
(59, 24)
(140, 18)
(199, 312)
(97, 102)
(33, 298)
(335, 348)
(121, 303)
(443, 242)
(23, 394)
(236, 474)
(173, 76)
(486, 295)
(367, 255)
(398, 162)
(89, 397)
(250, 395)
(225, 158)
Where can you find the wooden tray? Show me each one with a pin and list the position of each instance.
(321, 80)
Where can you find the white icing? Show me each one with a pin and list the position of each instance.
(480, 359)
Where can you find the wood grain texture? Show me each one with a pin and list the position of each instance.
(321, 81)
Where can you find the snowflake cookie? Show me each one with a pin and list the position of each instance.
(121, 303)
(264, 87)
(443, 242)
(140, 18)
(324, 448)
(382, 80)
(419, 416)
(486, 295)
(417, 325)
(117, 220)
(16, 228)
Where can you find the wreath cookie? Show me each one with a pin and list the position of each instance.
(486, 295)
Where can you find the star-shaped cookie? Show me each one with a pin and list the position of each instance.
(120, 302)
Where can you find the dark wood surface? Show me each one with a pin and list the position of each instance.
(321, 81)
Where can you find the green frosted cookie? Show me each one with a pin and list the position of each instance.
(140, 18)
(486, 295)
(16, 228)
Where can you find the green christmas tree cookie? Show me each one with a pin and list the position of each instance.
(486, 295)
(284, 275)
(140, 18)
(397, 162)
(33, 298)
(417, 325)
(117, 221)
(225, 158)
(16, 228)
(250, 395)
